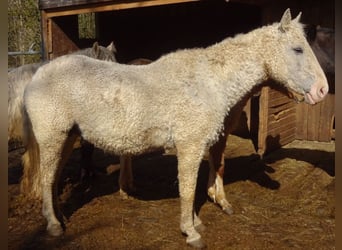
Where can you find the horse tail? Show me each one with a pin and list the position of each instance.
(30, 181)
(18, 79)
(15, 100)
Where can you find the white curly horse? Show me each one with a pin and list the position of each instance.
(322, 43)
(18, 79)
(179, 101)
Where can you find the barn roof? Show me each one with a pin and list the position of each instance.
(50, 4)
(55, 4)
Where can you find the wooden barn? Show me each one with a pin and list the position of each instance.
(151, 28)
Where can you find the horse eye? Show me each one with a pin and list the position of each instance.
(298, 50)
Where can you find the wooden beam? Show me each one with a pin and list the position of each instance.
(263, 119)
(46, 35)
(50, 4)
(253, 2)
(89, 8)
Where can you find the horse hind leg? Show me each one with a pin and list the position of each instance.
(53, 157)
(215, 182)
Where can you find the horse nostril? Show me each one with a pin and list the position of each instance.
(322, 91)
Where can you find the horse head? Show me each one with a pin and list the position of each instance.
(104, 53)
(291, 60)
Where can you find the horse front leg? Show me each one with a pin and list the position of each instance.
(188, 166)
(215, 182)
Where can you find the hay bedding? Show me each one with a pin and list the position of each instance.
(284, 201)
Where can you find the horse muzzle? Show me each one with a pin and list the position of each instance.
(316, 94)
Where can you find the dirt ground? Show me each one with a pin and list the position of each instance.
(283, 201)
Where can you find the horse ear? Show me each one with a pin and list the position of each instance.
(111, 47)
(96, 49)
(297, 19)
(285, 21)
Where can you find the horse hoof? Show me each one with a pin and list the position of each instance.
(124, 195)
(55, 230)
(200, 228)
(228, 210)
(198, 243)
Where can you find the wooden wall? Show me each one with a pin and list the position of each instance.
(277, 120)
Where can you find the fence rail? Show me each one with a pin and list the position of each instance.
(20, 53)
(30, 51)
(17, 58)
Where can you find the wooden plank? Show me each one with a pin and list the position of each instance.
(302, 121)
(288, 137)
(278, 109)
(275, 93)
(315, 122)
(254, 119)
(327, 112)
(281, 123)
(50, 4)
(46, 35)
(90, 8)
(49, 36)
(284, 124)
(263, 119)
(280, 101)
(314, 112)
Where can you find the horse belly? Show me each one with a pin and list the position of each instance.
(127, 141)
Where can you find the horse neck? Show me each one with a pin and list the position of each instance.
(239, 66)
